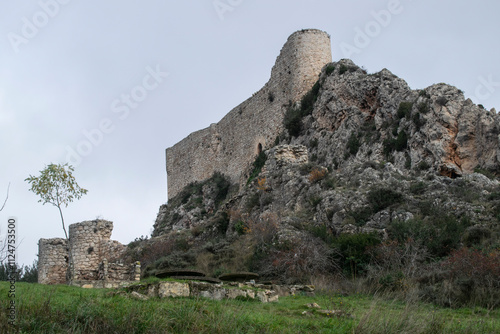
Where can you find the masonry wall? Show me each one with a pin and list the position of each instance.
(52, 261)
(90, 243)
(95, 256)
(231, 145)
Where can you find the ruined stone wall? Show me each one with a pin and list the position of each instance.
(52, 261)
(91, 248)
(90, 244)
(231, 145)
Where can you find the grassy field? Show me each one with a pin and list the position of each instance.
(64, 309)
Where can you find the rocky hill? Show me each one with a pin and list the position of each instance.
(370, 178)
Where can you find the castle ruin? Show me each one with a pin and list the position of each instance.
(231, 145)
(96, 258)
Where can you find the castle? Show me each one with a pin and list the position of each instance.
(231, 145)
(227, 147)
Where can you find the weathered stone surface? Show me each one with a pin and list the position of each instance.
(94, 256)
(173, 289)
(138, 296)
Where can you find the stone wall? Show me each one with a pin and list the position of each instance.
(95, 256)
(52, 261)
(231, 145)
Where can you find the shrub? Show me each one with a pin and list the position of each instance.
(240, 227)
(397, 259)
(315, 200)
(485, 172)
(330, 182)
(313, 143)
(307, 102)
(252, 201)
(292, 121)
(423, 93)
(418, 121)
(423, 165)
(404, 109)
(296, 261)
(477, 276)
(401, 142)
(418, 188)
(329, 69)
(381, 198)
(344, 68)
(222, 185)
(353, 255)
(317, 174)
(353, 144)
(423, 107)
(222, 222)
(440, 233)
(259, 162)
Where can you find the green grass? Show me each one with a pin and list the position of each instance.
(64, 309)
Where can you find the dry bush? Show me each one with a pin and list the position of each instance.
(395, 267)
(317, 174)
(474, 277)
(155, 250)
(264, 229)
(294, 261)
(261, 184)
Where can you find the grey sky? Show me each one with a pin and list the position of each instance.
(71, 75)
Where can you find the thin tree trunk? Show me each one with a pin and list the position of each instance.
(70, 274)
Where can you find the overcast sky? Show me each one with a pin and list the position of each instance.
(138, 76)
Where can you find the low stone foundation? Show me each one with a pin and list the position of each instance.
(263, 292)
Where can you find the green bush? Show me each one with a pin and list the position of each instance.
(222, 222)
(259, 162)
(418, 188)
(423, 107)
(294, 115)
(418, 121)
(404, 109)
(485, 172)
(344, 68)
(222, 185)
(423, 165)
(381, 198)
(329, 69)
(293, 120)
(353, 144)
(307, 102)
(440, 233)
(354, 258)
(240, 227)
(252, 201)
(401, 141)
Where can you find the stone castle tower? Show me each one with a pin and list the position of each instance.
(231, 145)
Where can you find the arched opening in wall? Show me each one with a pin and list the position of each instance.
(259, 148)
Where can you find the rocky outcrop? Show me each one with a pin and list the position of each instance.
(368, 153)
(435, 126)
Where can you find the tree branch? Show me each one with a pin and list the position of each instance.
(6, 197)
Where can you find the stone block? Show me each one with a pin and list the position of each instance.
(173, 289)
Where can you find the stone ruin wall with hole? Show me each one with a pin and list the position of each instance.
(231, 145)
(52, 261)
(95, 256)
